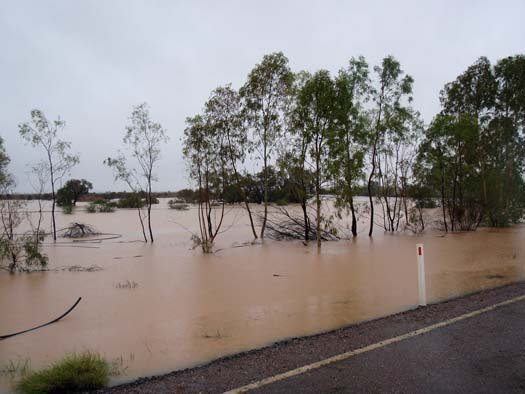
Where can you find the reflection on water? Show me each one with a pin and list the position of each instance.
(188, 308)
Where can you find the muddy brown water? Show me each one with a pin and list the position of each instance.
(188, 308)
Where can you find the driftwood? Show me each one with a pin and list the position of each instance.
(42, 325)
(283, 225)
(79, 230)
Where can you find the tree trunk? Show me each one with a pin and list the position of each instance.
(53, 213)
(149, 211)
(265, 181)
(142, 225)
(443, 200)
(354, 219)
(318, 196)
(370, 198)
(306, 221)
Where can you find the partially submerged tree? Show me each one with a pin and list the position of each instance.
(5, 177)
(224, 113)
(38, 178)
(45, 134)
(72, 190)
(316, 103)
(144, 138)
(473, 154)
(264, 97)
(293, 161)
(348, 142)
(21, 251)
(391, 97)
(207, 157)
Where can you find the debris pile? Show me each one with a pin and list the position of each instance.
(79, 230)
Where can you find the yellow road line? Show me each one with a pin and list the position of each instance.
(351, 353)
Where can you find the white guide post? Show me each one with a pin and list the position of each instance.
(421, 275)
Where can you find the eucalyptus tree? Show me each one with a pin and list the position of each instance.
(264, 99)
(207, 158)
(348, 143)
(20, 251)
(448, 161)
(391, 97)
(72, 190)
(316, 104)
(143, 139)
(44, 134)
(473, 94)
(493, 99)
(396, 152)
(5, 177)
(224, 113)
(293, 161)
(505, 139)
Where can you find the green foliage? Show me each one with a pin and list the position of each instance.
(106, 207)
(204, 149)
(311, 132)
(75, 373)
(22, 253)
(5, 177)
(67, 209)
(72, 191)
(143, 138)
(100, 205)
(187, 195)
(42, 133)
(91, 208)
(132, 200)
(474, 151)
(19, 252)
(281, 202)
(265, 97)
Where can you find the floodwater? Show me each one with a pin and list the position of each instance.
(188, 308)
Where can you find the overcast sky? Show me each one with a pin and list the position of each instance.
(91, 61)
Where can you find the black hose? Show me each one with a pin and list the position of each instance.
(42, 325)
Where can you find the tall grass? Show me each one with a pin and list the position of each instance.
(74, 373)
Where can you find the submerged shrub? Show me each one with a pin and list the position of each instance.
(91, 208)
(74, 373)
(106, 207)
(131, 201)
(281, 202)
(22, 253)
(67, 209)
(178, 205)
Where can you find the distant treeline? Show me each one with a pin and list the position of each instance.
(92, 196)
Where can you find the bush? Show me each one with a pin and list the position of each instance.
(187, 195)
(281, 202)
(130, 201)
(426, 203)
(67, 209)
(178, 205)
(106, 207)
(23, 253)
(74, 373)
(91, 208)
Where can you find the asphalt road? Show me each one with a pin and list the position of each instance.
(480, 354)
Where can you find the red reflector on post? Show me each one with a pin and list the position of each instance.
(419, 252)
